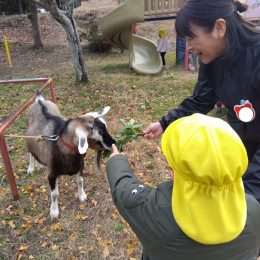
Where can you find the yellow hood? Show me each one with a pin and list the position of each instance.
(208, 159)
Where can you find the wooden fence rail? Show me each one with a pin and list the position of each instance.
(162, 7)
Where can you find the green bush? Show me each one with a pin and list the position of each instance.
(97, 45)
(95, 40)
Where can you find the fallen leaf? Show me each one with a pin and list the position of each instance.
(82, 250)
(55, 247)
(56, 227)
(106, 252)
(73, 235)
(130, 250)
(80, 217)
(94, 232)
(18, 232)
(26, 226)
(106, 242)
(40, 219)
(23, 247)
(29, 187)
(44, 244)
(44, 229)
(94, 202)
(27, 219)
(11, 224)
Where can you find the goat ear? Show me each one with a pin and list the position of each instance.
(101, 113)
(104, 111)
(83, 140)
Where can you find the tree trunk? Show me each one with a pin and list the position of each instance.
(20, 8)
(84, 76)
(66, 19)
(33, 16)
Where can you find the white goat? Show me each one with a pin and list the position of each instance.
(63, 152)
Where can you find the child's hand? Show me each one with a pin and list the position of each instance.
(114, 151)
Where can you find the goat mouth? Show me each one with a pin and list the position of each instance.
(102, 146)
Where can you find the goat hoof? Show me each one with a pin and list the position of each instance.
(82, 197)
(54, 214)
(29, 171)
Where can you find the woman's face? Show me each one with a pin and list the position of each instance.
(208, 45)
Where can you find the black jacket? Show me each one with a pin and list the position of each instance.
(149, 213)
(230, 79)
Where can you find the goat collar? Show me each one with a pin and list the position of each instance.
(70, 147)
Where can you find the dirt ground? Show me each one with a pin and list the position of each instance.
(26, 60)
(17, 28)
(92, 230)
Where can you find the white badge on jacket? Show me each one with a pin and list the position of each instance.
(245, 111)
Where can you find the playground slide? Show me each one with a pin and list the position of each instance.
(117, 27)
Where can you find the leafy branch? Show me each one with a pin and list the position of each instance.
(131, 131)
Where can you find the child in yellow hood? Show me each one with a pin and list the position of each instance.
(203, 213)
(162, 45)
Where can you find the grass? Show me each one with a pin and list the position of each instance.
(93, 229)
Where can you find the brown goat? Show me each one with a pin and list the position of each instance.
(64, 154)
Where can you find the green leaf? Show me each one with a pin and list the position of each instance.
(130, 132)
(122, 121)
(131, 122)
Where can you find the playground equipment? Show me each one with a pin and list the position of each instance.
(48, 83)
(162, 9)
(116, 27)
(143, 58)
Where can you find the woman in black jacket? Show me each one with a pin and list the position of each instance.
(229, 51)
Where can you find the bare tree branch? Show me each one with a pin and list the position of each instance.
(66, 19)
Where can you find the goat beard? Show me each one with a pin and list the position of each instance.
(98, 159)
(99, 150)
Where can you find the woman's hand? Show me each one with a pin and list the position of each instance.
(153, 131)
(114, 151)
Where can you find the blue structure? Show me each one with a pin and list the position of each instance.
(180, 50)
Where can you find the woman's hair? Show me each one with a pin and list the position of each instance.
(204, 13)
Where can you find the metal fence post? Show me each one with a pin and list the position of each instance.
(8, 168)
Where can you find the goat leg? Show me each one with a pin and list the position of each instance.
(31, 167)
(79, 181)
(54, 209)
